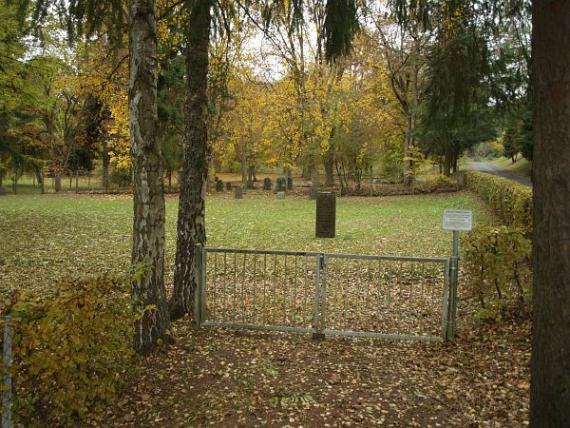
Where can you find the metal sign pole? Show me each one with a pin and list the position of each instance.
(453, 283)
(456, 221)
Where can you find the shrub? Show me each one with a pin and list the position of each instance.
(511, 201)
(71, 351)
(488, 150)
(440, 184)
(497, 264)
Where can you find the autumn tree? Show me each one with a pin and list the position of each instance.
(550, 361)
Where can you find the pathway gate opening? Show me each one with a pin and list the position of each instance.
(390, 297)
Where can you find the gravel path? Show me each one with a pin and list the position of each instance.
(492, 169)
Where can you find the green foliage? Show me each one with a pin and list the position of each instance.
(71, 350)
(511, 201)
(497, 265)
(488, 150)
(393, 164)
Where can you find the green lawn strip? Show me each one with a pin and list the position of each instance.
(47, 237)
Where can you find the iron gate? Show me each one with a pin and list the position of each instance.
(391, 297)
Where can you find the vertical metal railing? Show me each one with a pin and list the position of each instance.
(325, 294)
(7, 366)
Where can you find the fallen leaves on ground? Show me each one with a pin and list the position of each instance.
(235, 378)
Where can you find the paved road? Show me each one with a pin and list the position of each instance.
(492, 169)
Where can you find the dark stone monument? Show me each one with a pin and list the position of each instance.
(289, 183)
(326, 215)
(228, 186)
(238, 192)
(219, 185)
(267, 184)
(281, 184)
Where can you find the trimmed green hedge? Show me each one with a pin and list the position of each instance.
(511, 201)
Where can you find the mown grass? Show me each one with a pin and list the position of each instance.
(43, 238)
(521, 167)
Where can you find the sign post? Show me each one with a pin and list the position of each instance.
(456, 221)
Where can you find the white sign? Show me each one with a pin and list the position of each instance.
(458, 220)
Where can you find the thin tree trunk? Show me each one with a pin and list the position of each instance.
(39, 174)
(550, 361)
(106, 160)
(191, 212)
(408, 143)
(57, 182)
(329, 162)
(148, 292)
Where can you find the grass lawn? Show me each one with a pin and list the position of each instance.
(226, 378)
(46, 237)
(521, 167)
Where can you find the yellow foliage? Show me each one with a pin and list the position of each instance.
(71, 351)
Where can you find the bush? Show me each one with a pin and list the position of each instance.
(511, 201)
(497, 264)
(440, 184)
(488, 150)
(71, 351)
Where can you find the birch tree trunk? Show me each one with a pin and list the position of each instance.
(191, 212)
(148, 292)
(550, 362)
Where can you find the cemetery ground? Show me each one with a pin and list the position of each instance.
(231, 378)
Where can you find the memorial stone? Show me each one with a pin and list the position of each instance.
(326, 215)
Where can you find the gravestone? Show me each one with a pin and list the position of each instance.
(326, 215)
(238, 192)
(289, 183)
(267, 184)
(219, 185)
(281, 184)
(280, 195)
(228, 186)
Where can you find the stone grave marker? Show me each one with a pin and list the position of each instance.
(238, 192)
(326, 215)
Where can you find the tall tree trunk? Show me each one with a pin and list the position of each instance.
(550, 362)
(191, 212)
(329, 161)
(408, 143)
(106, 160)
(57, 182)
(148, 292)
(39, 173)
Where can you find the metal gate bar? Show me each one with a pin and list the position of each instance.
(389, 297)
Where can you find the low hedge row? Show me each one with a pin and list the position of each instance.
(71, 350)
(511, 201)
(496, 260)
(440, 184)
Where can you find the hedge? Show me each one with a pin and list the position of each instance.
(497, 265)
(72, 350)
(511, 201)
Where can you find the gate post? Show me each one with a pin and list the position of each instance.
(320, 292)
(453, 278)
(199, 291)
